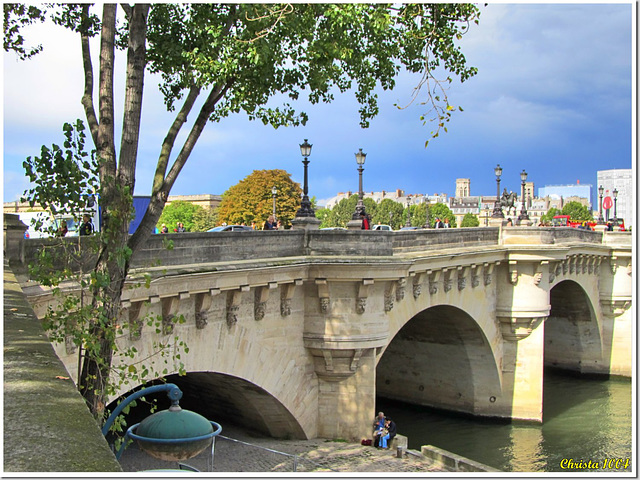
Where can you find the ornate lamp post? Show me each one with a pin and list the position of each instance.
(305, 209)
(360, 158)
(408, 223)
(615, 206)
(486, 216)
(600, 217)
(497, 209)
(523, 211)
(274, 192)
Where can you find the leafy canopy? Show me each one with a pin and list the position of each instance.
(251, 199)
(577, 211)
(470, 220)
(180, 211)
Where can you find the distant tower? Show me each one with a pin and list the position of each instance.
(463, 187)
(528, 192)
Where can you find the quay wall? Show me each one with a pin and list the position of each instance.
(47, 425)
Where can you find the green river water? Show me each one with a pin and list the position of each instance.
(586, 419)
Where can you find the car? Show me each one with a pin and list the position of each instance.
(333, 228)
(231, 228)
(386, 228)
(410, 228)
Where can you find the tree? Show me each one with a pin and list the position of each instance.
(251, 199)
(322, 214)
(179, 211)
(238, 56)
(389, 212)
(470, 220)
(204, 219)
(548, 217)
(441, 211)
(577, 211)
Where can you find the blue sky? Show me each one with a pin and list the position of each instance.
(553, 96)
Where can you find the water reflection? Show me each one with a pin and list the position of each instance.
(584, 419)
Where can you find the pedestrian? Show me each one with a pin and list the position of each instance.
(62, 231)
(86, 228)
(270, 223)
(438, 223)
(164, 229)
(446, 223)
(509, 223)
(279, 225)
(253, 225)
(180, 228)
(366, 223)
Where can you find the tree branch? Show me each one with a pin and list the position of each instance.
(87, 97)
(134, 89)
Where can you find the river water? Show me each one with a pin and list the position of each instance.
(585, 419)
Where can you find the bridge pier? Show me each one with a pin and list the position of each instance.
(522, 305)
(345, 403)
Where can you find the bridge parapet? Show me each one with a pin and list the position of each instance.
(548, 236)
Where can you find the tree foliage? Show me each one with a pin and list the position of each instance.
(238, 57)
(389, 212)
(251, 200)
(470, 220)
(179, 211)
(548, 217)
(441, 211)
(577, 211)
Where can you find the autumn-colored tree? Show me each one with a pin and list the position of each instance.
(251, 200)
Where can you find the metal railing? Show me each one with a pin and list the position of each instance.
(259, 458)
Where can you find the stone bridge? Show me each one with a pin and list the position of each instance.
(295, 332)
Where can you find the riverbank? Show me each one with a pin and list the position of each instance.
(316, 455)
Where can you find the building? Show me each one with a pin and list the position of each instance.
(463, 187)
(622, 181)
(564, 191)
(206, 200)
(398, 195)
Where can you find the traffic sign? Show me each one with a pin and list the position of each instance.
(607, 203)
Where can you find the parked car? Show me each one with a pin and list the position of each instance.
(231, 228)
(386, 228)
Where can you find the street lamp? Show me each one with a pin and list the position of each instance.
(274, 192)
(408, 224)
(305, 209)
(497, 208)
(360, 158)
(523, 211)
(486, 216)
(615, 206)
(600, 217)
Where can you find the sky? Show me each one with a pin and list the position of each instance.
(553, 96)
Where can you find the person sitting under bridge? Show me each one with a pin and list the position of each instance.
(387, 433)
(378, 425)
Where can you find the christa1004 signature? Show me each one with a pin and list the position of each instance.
(606, 464)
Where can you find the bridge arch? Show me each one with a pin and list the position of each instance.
(441, 358)
(573, 334)
(226, 399)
